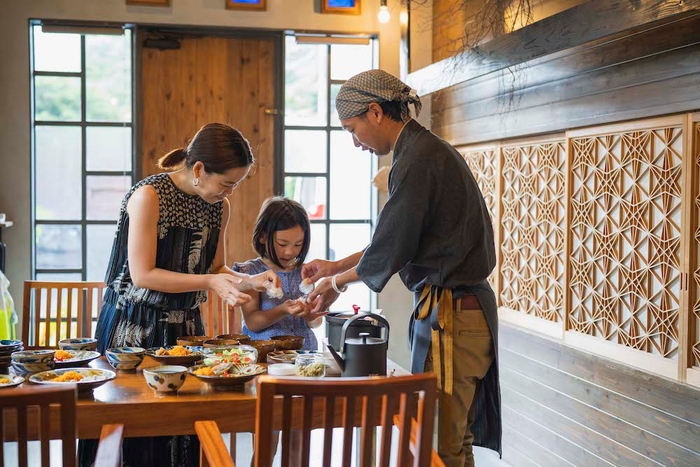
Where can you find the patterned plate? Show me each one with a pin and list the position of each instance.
(80, 358)
(92, 377)
(228, 382)
(8, 381)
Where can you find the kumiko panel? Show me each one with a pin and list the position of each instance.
(625, 232)
(695, 264)
(533, 229)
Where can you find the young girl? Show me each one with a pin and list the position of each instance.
(281, 238)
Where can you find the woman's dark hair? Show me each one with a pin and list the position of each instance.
(280, 213)
(216, 145)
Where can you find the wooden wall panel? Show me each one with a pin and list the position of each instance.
(214, 79)
(634, 74)
(562, 406)
(694, 282)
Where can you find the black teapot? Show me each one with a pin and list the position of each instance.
(362, 355)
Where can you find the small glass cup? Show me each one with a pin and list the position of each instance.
(310, 366)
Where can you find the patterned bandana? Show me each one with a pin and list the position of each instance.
(378, 86)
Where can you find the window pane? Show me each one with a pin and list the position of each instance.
(99, 248)
(317, 249)
(348, 60)
(104, 195)
(310, 192)
(346, 239)
(350, 178)
(335, 121)
(59, 247)
(306, 81)
(56, 52)
(58, 277)
(58, 174)
(108, 77)
(305, 151)
(109, 148)
(57, 98)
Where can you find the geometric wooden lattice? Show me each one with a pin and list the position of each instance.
(625, 237)
(695, 356)
(533, 227)
(484, 166)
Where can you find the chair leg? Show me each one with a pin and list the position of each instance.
(232, 446)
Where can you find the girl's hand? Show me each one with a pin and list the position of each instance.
(318, 269)
(263, 281)
(322, 297)
(226, 287)
(294, 307)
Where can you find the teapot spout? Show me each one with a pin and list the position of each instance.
(338, 359)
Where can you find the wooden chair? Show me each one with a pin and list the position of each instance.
(219, 317)
(362, 402)
(52, 311)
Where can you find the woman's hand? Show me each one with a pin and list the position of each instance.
(322, 297)
(318, 269)
(264, 281)
(226, 287)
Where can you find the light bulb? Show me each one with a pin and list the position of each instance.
(383, 16)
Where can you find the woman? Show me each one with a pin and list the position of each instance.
(169, 249)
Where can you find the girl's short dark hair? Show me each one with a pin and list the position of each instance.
(218, 146)
(280, 213)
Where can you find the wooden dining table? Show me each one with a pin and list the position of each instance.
(128, 400)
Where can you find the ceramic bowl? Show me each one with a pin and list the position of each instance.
(211, 343)
(242, 338)
(27, 362)
(125, 358)
(78, 343)
(233, 380)
(192, 341)
(288, 342)
(195, 355)
(263, 347)
(165, 378)
(243, 354)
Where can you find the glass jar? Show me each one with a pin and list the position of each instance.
(310, 365)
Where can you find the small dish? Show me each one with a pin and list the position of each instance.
(281, 369)
(165, 378)
(282, 356)
(211, 343)
(125, 358)
(230, 380)
(8, 381)
(263, 347)
(78, 343)
(187, 360)
(242, 338)
(288, 342)
(90, 377)
(192, 341)
(80, 358)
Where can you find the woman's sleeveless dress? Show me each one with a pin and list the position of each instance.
(188, 234)
(289, 325)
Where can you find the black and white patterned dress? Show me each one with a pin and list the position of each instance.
(188, 233)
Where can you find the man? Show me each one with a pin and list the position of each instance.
(435, 231)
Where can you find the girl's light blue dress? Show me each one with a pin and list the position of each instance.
(289, 325)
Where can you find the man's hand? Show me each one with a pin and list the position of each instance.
(322, 297)
(318, 269)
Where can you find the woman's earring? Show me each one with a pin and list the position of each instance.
(195, 181)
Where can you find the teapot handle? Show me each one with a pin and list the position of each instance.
(379, 318)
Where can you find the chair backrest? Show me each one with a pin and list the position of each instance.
(362, 402)
(219, 317)
(25, 412)
(52, 311)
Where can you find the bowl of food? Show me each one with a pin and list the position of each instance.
(175, 355)
(78, 343)
(237, 354)
(86, 379)
(165, 378)
(212, 343)
(242, 338)
(125, 358)
(282, 356)
(74, 358)
(310, 365)
(288, 342)
(263, 347)
(226, 375)
(26, 362)
(192, 341)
